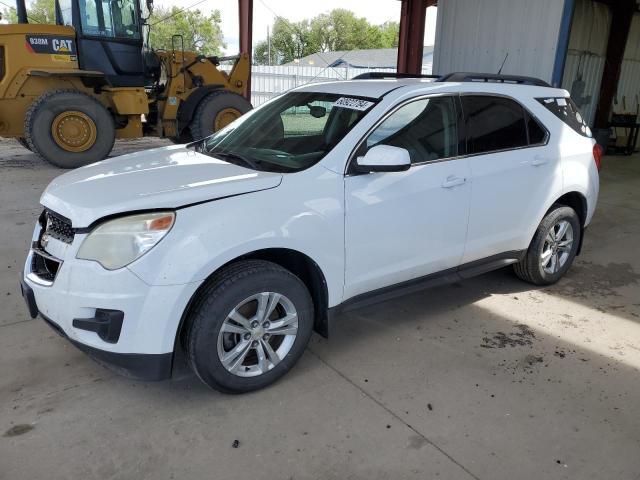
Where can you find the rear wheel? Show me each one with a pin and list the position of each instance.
(553, 248)
(69, 129)
(216, 111)
(248, 327)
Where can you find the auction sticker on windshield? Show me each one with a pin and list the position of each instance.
(353, 103)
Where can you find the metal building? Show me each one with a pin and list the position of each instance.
(589, 47)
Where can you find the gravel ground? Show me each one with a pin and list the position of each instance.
(12, 154)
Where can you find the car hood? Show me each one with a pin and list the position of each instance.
(168, 177)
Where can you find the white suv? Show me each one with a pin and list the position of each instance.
(238, 246)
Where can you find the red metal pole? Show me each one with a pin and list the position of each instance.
(245, 15)
(411, 37)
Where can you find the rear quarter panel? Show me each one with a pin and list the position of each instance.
(577, 166)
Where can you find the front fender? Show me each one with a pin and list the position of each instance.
(303, 214)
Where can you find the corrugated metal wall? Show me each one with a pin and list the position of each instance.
(473, 35)
(586, 56)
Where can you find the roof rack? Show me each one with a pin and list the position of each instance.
(492, 77)
(383, 75)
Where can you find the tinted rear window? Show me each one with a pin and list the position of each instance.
(568, 112)
(494, 123)
(537, 133)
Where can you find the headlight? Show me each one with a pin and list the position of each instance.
(116, 243)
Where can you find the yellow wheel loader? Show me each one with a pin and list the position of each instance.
(67, 91)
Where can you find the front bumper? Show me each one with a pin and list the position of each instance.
(114, 316)
(133, 365)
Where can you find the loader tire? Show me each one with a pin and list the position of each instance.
(23, 142)
(69, 129)
(216, 111)
(184, 137)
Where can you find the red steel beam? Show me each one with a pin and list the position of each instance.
(411, 38)
(245, 14)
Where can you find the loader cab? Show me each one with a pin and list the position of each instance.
(109, 37)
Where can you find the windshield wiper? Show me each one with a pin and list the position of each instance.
(196, 145)
(234, 157)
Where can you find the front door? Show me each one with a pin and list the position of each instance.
(403, 225)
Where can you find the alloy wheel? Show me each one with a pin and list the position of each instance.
(556, 248)
(257, 334)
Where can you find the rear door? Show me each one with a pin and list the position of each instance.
(512, 168)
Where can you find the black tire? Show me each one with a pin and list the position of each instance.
(530, 268)
(23, 142)
(43, 112)
(223, 293)
(202, 123)
(184, 137)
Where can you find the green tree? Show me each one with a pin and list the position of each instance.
(261, 54)
(390, 34)
(201, 33)
(289, 40)
(40, 11)
(338, 29)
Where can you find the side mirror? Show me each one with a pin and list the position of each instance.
(384, 158)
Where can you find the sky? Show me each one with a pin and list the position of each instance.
(265, 11)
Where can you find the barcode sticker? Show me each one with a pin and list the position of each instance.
(353, 103)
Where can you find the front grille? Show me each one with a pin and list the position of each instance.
(57, 227)
(44, 266)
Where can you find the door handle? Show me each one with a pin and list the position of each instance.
(453, 181)
(539, 160)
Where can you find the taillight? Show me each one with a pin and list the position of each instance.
(597, 155)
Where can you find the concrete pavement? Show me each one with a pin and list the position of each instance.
(487, 379)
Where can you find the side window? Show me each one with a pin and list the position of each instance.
(537, 134)
(567, 111)
(122, 18)
(427, 128)
(494, 123)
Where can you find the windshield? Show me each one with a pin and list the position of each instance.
(290, 133)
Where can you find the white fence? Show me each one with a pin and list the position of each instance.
(270, 81)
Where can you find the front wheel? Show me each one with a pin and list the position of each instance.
(248, 327)
(553, 248)
(69, 129)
